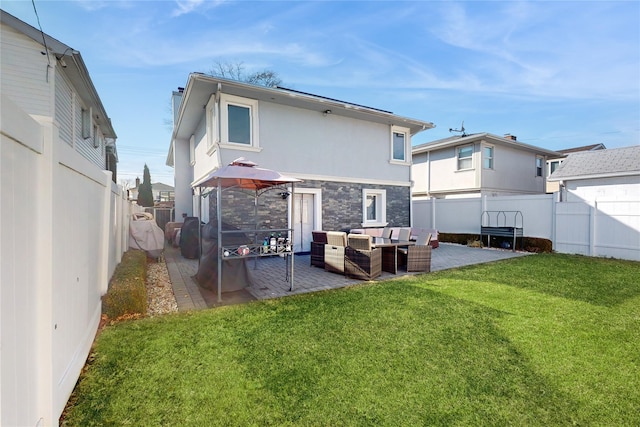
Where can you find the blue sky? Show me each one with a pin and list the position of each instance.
(556, 74)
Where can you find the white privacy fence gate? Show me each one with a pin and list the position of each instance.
(602, 228)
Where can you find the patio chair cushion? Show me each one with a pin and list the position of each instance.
(359, 241)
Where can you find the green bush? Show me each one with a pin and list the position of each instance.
(127, 294)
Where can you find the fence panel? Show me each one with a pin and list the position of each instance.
(573, 228)
(617, 229)
(537, 212)
(458, 215)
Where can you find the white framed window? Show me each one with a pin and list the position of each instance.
(553, 165)
(192, 150)
(86, 123)
(213, 128)
(239, 121)
(400, 142)
(487, 157)
(465, 157)
(374, 207)
(539, 166)
(97, 138)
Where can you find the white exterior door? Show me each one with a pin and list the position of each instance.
(303, 223)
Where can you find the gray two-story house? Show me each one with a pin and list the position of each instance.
(478, 165)
(355, 161)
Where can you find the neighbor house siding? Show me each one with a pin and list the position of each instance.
(64, 109)
(512, 169)
(26, 78)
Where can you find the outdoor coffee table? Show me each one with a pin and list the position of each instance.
(390, 252)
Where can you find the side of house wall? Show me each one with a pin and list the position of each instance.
(62, 225)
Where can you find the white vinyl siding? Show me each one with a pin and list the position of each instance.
(64, 109)
(25, 76)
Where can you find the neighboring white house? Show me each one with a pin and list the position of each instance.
(355, 161)
(477, 165)
(553, 164)
(58, 205)
(612, 174)
(161, 192)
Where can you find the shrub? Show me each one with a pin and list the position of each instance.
(460, 239)
(530, 244)
(127, 294)
(536, 244)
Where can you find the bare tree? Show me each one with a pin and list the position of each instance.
(236, 71)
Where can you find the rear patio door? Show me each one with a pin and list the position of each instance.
(306, 218)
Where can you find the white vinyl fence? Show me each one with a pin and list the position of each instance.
(602, 228)
(64, 227)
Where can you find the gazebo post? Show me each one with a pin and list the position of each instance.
(220, 250)
(291, 238)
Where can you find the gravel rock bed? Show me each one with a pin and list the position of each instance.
(160, 296)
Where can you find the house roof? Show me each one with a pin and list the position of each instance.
(599, 164)
(74, 68)
(591, 147)
(468, 139)
(200, 87)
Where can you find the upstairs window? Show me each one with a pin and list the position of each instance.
(539, 166)
(239, 120)
(487, 157)
(465, 157)
(399, 144)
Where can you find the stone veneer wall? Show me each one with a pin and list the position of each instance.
(341, 210)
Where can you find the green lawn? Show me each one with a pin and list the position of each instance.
(538, 340)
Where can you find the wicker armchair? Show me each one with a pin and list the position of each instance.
(334, 251)
(417, 257)
(317, 248)
(361, 261)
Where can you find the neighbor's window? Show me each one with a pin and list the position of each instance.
(374, 206)
(86, 123)
(239, 121)
(399, 138)
(487, 157)
(465, 157)
(539, 166)
(192, 150)
(554, 165)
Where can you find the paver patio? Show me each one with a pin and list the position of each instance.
(269, 275)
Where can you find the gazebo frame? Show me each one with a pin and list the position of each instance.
(244, 175)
